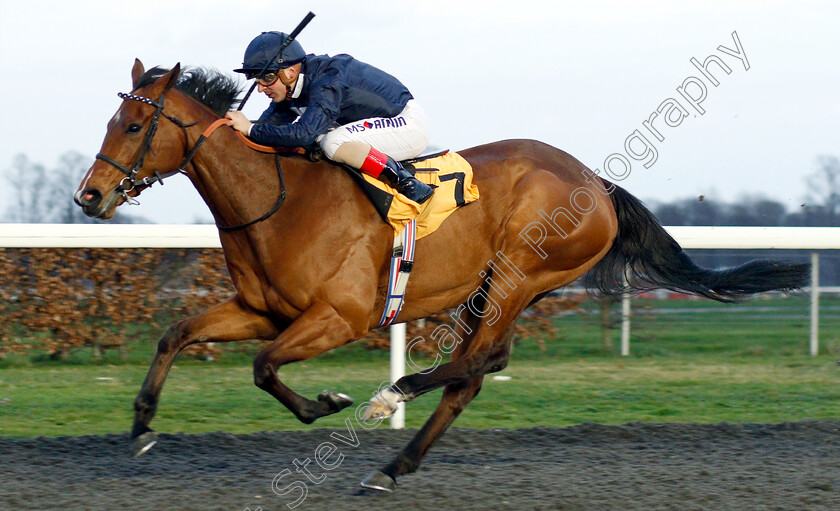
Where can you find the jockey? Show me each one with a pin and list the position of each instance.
(359, 115)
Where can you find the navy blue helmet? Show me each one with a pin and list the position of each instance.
(262, 50)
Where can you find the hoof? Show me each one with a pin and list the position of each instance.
(375, 411)
(143, 443)
(379, 481)
(382, 405)
(336, 400)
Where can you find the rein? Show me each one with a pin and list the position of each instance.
(130, 181)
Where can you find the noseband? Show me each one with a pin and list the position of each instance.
(130, 181)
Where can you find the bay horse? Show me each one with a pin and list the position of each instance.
(313, 275)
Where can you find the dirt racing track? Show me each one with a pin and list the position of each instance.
(788, 466)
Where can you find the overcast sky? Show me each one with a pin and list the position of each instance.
(582, 76)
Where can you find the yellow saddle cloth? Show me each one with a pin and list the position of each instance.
(451, 174)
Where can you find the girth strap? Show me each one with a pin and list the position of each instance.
(402, 261)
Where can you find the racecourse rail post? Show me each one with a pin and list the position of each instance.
(398, 369)
(815, 303)
(625, 321)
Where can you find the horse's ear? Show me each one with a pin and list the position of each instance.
(136, 72)
(172, 76)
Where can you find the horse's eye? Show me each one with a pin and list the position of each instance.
(133, 128)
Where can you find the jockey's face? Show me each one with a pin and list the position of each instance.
(277, 90)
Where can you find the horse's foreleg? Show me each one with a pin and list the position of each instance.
(319, 329)
(228, 321)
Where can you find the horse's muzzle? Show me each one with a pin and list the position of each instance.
(90, 200)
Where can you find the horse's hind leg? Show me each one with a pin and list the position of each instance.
(482, 352)
(228, 321)
(456, 397)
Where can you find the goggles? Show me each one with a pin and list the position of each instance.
(266, 80)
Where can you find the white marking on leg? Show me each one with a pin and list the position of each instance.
(383, 404)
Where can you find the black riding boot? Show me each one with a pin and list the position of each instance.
(405, 183)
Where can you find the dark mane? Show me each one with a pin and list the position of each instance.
(211, 87)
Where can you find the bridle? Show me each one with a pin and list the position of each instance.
(130, 181)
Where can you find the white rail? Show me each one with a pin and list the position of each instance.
(800, 238)
(207, 236)
(108, 236)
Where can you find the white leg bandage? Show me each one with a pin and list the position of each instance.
(383, 404)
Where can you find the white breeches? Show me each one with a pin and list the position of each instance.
(401, 137)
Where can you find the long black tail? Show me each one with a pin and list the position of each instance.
(644, 256)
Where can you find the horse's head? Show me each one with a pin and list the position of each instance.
(140, 146)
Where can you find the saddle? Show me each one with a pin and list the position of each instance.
(447, 172)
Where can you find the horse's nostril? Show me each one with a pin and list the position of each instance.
(89, 197)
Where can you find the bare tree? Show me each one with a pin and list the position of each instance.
(824, 189)
(27, 180)
(754, 210)
(62, 183)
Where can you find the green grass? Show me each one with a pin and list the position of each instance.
(710, 366)
(54, 401)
